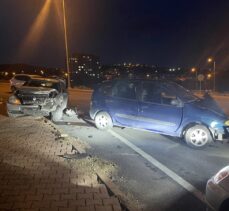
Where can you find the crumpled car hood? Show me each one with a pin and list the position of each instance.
(35, 90)
(210, 104)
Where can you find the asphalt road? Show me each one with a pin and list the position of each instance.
(161, 172)
(150, 185)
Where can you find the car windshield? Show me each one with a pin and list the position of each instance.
(45, 84)
(184, 94)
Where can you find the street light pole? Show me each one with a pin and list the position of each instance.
(196, 80)
(214, 76)
(66, 43)
(214, 65)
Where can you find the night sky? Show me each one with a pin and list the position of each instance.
(164, 32)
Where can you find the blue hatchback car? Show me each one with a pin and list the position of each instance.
(161, 107)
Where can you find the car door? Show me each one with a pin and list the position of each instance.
(158, 108)
(123, 104)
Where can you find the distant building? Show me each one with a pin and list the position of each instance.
(84, 68)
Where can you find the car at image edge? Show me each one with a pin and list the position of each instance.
(217, 191)
(159, 106)
(39, 97)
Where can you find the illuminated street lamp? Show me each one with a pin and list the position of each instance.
(210, 60)
(209, 75)
(194, 70)
(66, 43)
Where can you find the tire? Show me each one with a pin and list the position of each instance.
(103, 121)
(225, 205)
(198, 137)
(57, 114)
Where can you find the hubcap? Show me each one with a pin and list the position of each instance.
(103, 121)
(199, 137)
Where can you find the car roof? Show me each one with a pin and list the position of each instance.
(46, 79)
(28, 75)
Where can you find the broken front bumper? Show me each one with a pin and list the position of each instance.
(32, 110)
(220, 134)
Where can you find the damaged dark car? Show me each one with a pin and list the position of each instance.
(159, 106)
(39, 97)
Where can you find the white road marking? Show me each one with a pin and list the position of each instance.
(182, 182)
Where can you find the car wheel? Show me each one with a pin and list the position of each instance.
(57, 114)
(198, 136)
(103, 121)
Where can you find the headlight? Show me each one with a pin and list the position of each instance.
(52, 95)
(221, 175)
(226, 123)
(14, 100)
(213, 124)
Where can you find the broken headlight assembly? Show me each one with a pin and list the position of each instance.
(14, 100)
(52, 95)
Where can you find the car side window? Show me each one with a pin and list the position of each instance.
(150, 92)
(124, 89)
(167, 96)
(106, 89)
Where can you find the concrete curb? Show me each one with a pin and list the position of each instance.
(115, 190)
